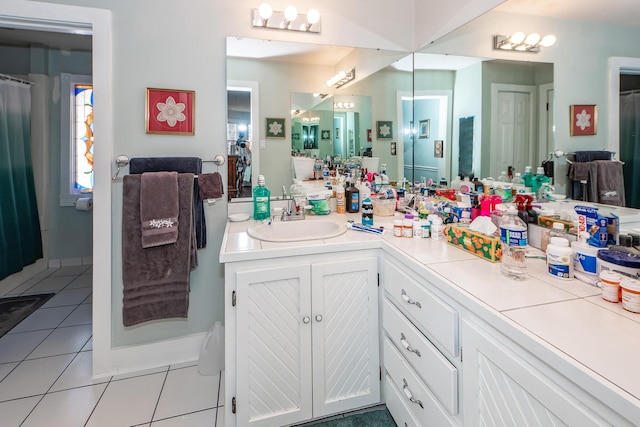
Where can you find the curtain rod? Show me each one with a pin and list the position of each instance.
(15, 79)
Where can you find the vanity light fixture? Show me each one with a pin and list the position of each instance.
(343, 105)
(523, 43)
(342, 78)
(289, 19)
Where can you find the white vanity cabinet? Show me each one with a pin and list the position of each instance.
(420, 351)
(506, 385)
(303, 333)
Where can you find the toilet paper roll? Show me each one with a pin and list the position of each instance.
(84, 204)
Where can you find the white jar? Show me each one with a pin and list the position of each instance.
(630, 294)
(437, 228)
(610, 284)
(560, 258)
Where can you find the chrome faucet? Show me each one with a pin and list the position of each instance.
(293, 211)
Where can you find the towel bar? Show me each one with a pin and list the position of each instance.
(123, 160)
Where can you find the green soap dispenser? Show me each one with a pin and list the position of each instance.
(261, 201)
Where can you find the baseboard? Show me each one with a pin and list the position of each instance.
(66, 262)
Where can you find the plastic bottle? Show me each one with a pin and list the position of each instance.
(367, 211)
(326, 172)
(502, 187)
(340, 199)
(298, 193)
(397, 227)
(407, 226)
(517, 185)
(352, 198)
(527, 177)
(261, 201)
(465, 186)
(437, 228)
(539, 179)
(560, 258)
(426, 228)
(417, 228)
(211, 360)
(513, 236)
(455, 183)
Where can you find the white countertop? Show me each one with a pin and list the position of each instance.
(569, 318)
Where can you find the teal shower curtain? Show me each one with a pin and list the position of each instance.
(630, 146)
(20, 241)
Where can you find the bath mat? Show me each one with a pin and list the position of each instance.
(14, 310)
(375, 418)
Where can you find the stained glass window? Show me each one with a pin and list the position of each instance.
(83, 138)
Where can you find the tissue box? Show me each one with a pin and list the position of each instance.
(486, 247)
(547, 222)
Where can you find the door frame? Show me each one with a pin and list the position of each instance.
(617, 65)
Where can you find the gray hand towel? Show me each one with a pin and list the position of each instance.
(159, 208)
(610, 183)
(210, 185)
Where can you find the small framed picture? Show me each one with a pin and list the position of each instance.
(384, 129)
(424, 129)
(438, 149)
(584, 119)
(325, 134)
(295, 136)
(393, 148)
(275, 128)
(170, 111)
(369, 135)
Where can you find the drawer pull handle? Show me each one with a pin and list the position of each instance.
(409, 395)
(405, 344)
(306, 319)
(408, 300)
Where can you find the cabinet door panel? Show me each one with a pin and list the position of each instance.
(275, 345)
(345, 337)
(501, 388)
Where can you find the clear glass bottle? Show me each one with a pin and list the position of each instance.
(261, 201)
(513, 236)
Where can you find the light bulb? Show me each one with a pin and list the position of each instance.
(548, 40)
(516, 38)
(291, 13)
(313, 16)
(532, 39)
(265, 10)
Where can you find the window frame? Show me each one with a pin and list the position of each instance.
(68, 81)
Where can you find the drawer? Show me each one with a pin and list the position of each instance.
(396, 405)
(436, 319)
(425, 406)
(436, 371)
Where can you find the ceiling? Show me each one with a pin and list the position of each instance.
(621, 12)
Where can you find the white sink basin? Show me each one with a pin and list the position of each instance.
(293, 231)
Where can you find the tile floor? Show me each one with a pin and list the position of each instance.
(45, 371)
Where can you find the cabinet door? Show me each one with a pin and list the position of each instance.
(501, 388)
(273, 346)
(345, 335)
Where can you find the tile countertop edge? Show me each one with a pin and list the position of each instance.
(570, 367)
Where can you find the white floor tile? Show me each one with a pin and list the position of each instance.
(80, 316)
(15, 411)
(68, 297)
(221, 394)
(197, 419)
(186, 391)
(24, 287)
(184, 365)
(15, 347)
(128, 402)
(45, 273)
(51, 284)
(140, 373)
(63, 341)
(88, 346)
(6, 368)
(69, 408)
(78, 374)
(33, 377)
(70, 270)
(43, 318)
(84, 281)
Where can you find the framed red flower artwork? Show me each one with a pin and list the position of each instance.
(170, 111)
(584, 119)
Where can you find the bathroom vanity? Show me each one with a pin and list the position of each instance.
(320, 327)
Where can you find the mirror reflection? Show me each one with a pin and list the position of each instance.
(447, 115)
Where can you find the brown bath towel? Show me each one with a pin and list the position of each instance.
(210, 185)
(159, 208)
(156, 279)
